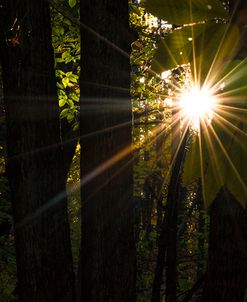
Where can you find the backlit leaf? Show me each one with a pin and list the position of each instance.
(176, 48)
(72, 3)
(185, 11)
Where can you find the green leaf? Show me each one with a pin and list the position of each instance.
(185, 11)
(215, 45)
(236, 181)
(64, 113)
(73, 77)
(75, 97)
(223, 159)
(205, 46)
(62, 102)
(59, 85)
(69, 59)
(70, 117)
(67, 21)
(72, 3)
(59, 60)
(76, 127)
(176, 48)
(233, 76)
(70, 102)
(65, 82)
(66, 54)
(134, 9)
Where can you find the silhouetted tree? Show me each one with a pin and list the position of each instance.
(35, 162)
(107, 268)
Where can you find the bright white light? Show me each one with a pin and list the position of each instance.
(222, 86)
(168, 102)
(197, 105)
(142, 80)
(165, 74)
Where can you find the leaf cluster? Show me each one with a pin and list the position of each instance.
(66, 42)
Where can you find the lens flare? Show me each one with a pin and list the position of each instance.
(197, 104)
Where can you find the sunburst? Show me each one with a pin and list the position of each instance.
(197, 104)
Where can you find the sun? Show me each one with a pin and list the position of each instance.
(197, 105)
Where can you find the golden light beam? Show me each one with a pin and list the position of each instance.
(224, 123)
(216, 57)
(210, 148)
(226, 76)
(229, 159)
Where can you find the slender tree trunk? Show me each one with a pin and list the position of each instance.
(35, 162)
(174, 196)
(107, 260)
(168, 233)
(201, 234)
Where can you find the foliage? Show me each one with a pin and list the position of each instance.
(66, 43)
(185, 11)
(152, 140)
(74, 197)
(151, 153)
(209, 46)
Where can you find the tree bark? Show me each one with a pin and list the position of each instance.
(35, 161)
(107, 259)
(227, 256)
(168, 233)
(201, 233)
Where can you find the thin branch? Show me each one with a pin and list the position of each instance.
(194, 288)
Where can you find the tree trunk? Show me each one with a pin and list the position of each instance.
(168, 233)
(35, 161)
(227, 260)
(201, 233)
(107, 260)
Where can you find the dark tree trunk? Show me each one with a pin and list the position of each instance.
(107, 260)
(227, 259)
(168, 233)
(69, 139)
(201, 233)
(147, 207)
(35, 162)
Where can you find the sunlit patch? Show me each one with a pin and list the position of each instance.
(197, 104)
(142, 80)
(165, 74)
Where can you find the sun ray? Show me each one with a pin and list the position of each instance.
(213, 76)
(184, 136)
(234, 169)
(226, 76)
(228, 114)
(224, 123)
(209, 75)
(197, 104)
(224, 108)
